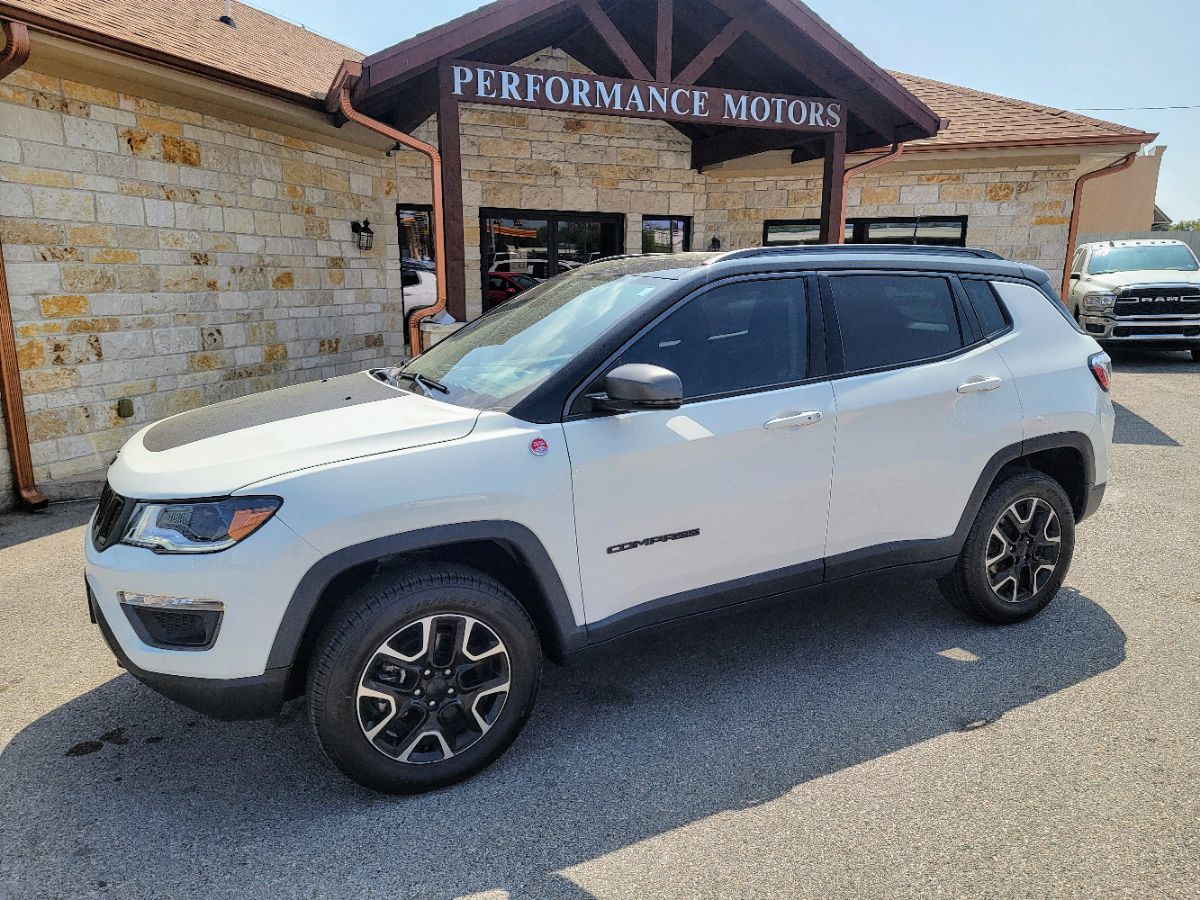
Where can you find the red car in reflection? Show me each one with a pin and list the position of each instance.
(506, 285)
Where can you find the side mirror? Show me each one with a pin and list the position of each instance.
(640, 386)
(1075, 276)
(409, 278)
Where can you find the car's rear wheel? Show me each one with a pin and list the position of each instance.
(1017, 552)
(424, 680)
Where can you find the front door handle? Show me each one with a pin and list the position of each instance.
(978, 385)
(799, 420)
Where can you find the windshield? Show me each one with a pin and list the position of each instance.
(1176, 257)
(500, 358)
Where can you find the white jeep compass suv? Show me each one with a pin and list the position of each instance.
(633, 442)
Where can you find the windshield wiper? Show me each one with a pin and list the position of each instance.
(423, 380)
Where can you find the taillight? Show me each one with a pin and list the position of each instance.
(1101, 366)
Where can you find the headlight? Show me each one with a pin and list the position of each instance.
(202, 527)
(1099, 302)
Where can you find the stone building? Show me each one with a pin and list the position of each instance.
(178, 204)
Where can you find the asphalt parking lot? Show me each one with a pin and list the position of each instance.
(868, 742)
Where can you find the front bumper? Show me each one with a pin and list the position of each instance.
(1143, 329)
(231, 699)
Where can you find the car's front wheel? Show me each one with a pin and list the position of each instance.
(424, 680)
(1017, 552)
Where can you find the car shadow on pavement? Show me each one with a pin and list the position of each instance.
(121, 789)
(19, 527)
(1131, 428)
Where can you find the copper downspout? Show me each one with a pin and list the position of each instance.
(16, 51)
(1073, 228)
(439, 217)
(16, 48)
(897, 149)
(14, 405)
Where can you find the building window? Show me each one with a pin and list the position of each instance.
(946, 231)
(666, 234)
(545, 243)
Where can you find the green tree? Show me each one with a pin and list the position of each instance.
(1186, 225)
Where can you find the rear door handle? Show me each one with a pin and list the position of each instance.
(978, 385)
(799, 420)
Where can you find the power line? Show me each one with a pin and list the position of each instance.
(1129, 108)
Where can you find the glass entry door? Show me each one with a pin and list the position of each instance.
(584, 240)
(539, 245)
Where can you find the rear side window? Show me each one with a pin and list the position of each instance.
(744, 336)
(890, 320)
(992, 317)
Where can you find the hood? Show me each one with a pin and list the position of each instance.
(1146, 277)
(215, 450)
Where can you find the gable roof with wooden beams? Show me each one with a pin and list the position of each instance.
(275, 57)
(770, 46)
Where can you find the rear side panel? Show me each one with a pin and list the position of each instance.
(1048, 358)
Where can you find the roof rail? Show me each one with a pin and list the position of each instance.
(890, 249)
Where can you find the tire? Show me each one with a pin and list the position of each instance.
(384, 658)
(1196, 354)
(1023, 584)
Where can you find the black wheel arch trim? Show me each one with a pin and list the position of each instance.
(572, 637)
(869, 559)
(520, 539)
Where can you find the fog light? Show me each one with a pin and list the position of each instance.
(160, 601)
(172, 623)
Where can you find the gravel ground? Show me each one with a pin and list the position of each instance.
(867, 742)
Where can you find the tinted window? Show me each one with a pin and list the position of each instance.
(888, 320)
(737, 337)
(500, 358)
(992, 318)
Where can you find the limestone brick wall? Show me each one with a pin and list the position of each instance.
(1021, 212)
(178, 259)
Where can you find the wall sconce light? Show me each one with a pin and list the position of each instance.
(366, 237)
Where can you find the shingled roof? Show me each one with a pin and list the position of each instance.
(262, 49)
(989, 120)
(270, 54)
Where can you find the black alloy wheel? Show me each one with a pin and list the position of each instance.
(1017, 551)
(433, 689)
(1023, 549)
(423, 678)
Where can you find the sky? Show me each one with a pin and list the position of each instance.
(1069, 54)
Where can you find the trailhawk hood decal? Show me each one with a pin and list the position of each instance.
(218, 449)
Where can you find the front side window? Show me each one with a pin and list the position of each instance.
(499, 359)
(1145, 257)
(890, 320)
(1077, 265)
(737, 337)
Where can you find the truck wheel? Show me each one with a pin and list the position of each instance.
(1196, 354)
(424, 680)
(1017, 552)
